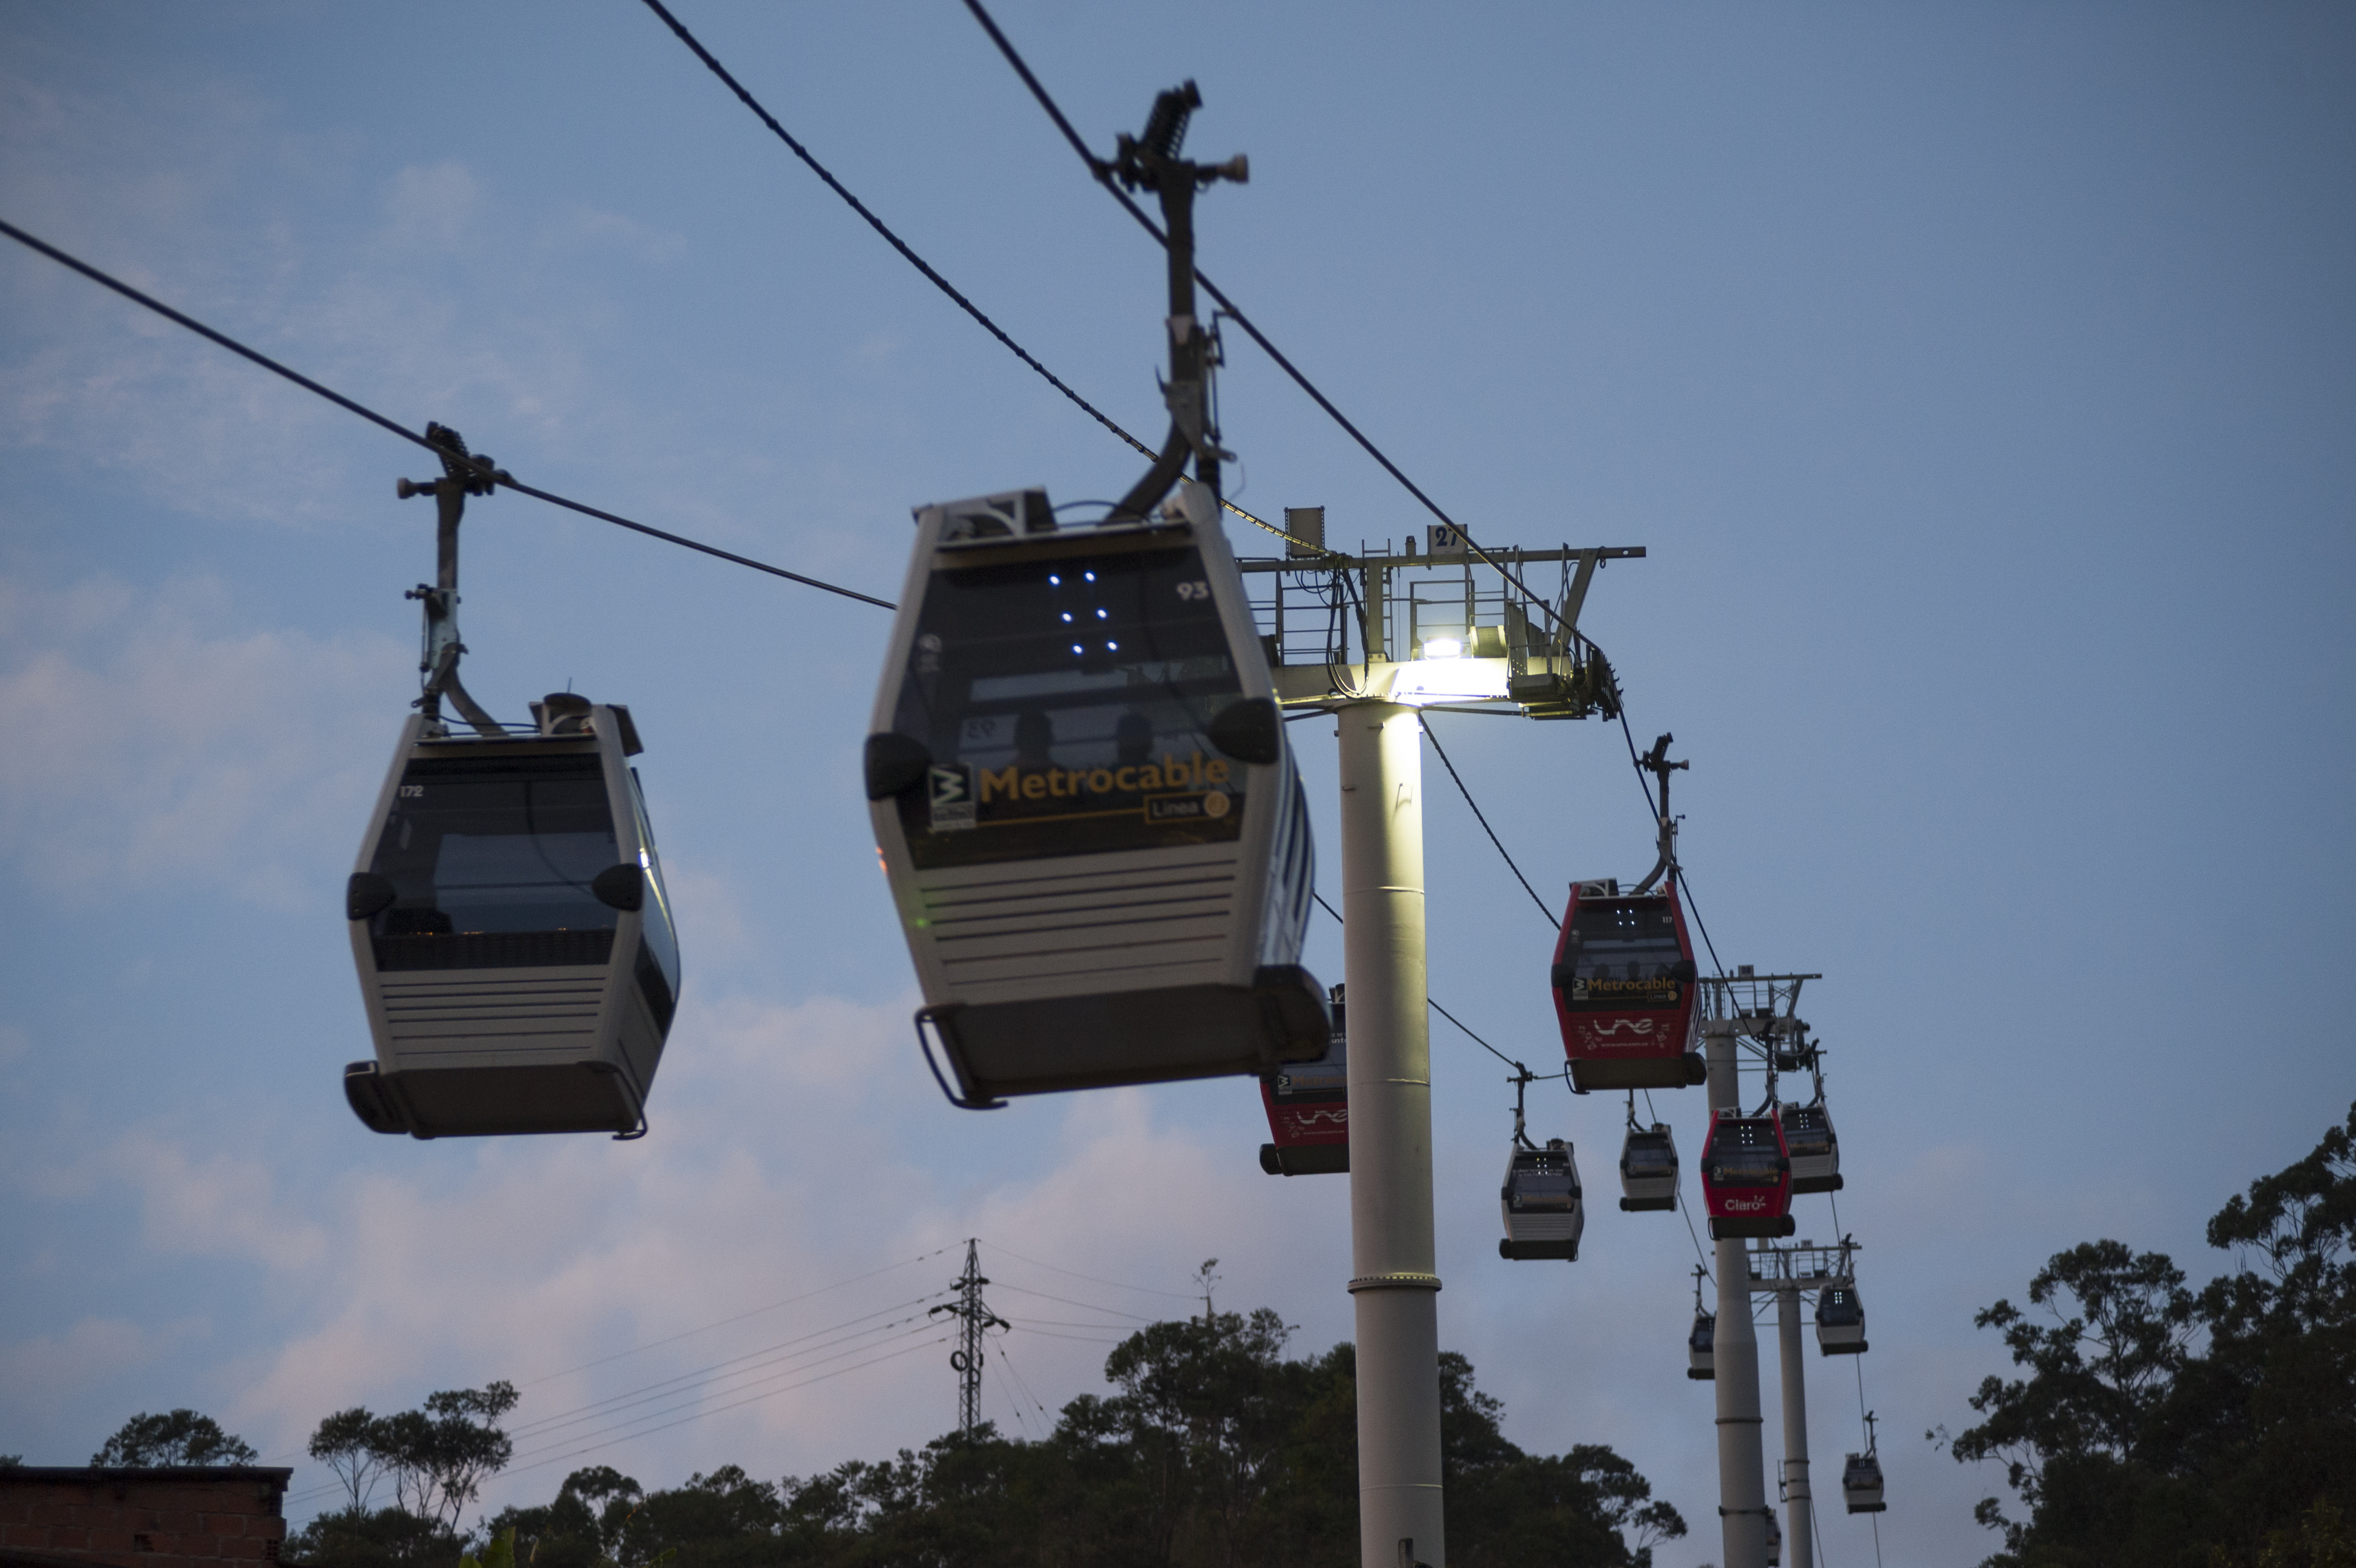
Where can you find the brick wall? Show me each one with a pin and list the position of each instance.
(209, 1516)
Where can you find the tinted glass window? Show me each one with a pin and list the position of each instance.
(496, 844)
(1742, 1152)
(661, 934)
(1623, 952)
(1649, 1153)
(1542, 1182)
(1807, 1131)
(1066, 704)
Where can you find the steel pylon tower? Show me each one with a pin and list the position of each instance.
(974, 1318)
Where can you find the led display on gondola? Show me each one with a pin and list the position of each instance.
(1066, 705)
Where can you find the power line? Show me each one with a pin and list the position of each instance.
(1149, 1290)
(739, 1317)
(1068, 1301)
(373, 417)
(1442, 751)
(910, 257)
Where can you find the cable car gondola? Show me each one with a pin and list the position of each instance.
(1815, 1151)
(513, 938)
(1309, 1110)
(508, 916)
(1745, 1176)
(1648, 1166)
(1624, 989)
(1701, 1341)
(1861, 1477)
(1841, 1321)
(1545, 1215)
(1087, 804)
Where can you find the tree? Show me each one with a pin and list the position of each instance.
(440, 1454)
(2156, 1426)
(177, 1438)
(349, 1443)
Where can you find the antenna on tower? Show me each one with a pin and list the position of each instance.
(974, 1320)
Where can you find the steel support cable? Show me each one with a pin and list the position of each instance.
(744, 96)
(1102, 172)
(373, 417)
(1517, 1066)
(1550, 917)
(1068, 1301)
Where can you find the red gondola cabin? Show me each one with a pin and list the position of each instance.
(1309, 1110)
(1745, 1176)
(1624, 990)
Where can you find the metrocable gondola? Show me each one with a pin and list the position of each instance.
(1080, 786)
(1861, 1477)
(1841, 1321)
(1648, 1165)
(1745, 1176)
(1626, 991)
(509, 921)
(1544, 1209)
(1308, 1106)
(1701, 1340)
(1814, 1150)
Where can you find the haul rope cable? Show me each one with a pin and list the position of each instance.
(1517, 1066)
(485, 470)
(917, 261)
(1550, 917)
(1149, 1290)
(1102, 171)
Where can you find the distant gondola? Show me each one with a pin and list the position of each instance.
(1087, 804)
(1701, 1347)
(1544, 1209)
(1624, 990)
(1745, 1176)
(513, 938)
(1814, 1150)
(1861, 1484)
(1841, 1321)
(1648, 1168)
(1308, 1108)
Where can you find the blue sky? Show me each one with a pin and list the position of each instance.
(1980, 380)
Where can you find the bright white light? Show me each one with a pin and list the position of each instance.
(1444, 648)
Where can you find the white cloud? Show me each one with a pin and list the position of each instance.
(168, 748)
(51, 1370)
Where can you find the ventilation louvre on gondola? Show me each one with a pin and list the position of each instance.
(1625, 991)
(512, 934)
(1087, 804)
(1308, 1106)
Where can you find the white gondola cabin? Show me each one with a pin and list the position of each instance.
(1814, 1150)
(1841, 1321)
(1308, 1106)
(513, 938)
(1087, 805)
(1861, 1484)
(1544, 1209)
(1648, 1168)
(1701, 1347)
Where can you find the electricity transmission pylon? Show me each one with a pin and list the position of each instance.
(974, 1319)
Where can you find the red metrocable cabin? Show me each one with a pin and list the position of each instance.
(1745, 1176)
(1309, 1109)
(1625, 990)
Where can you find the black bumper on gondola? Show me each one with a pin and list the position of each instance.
(1526, 1252)
(1040, 1047)
(1305, 1159)
(1725, 1230)
(579, 1097)
(1645, 1205)
(1642, 1072)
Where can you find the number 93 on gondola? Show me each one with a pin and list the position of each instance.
(1086, 806)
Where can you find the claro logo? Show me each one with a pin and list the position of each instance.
(1733, 1205)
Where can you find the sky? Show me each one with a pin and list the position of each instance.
(1979, 380)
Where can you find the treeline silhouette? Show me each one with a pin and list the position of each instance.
(1216, 1449)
